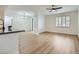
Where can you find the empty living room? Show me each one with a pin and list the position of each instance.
(39, 29)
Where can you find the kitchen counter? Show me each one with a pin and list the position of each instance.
(10, 32)
(9, 42)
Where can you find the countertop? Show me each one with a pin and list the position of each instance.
(10, 32)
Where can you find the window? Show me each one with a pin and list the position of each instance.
(67, 21)
(57, 21)
(63, 21)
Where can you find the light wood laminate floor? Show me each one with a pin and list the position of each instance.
(53, 43)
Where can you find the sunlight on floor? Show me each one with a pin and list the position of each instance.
(62, 44)
(47, 43)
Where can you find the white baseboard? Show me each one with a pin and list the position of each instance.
(62, 33)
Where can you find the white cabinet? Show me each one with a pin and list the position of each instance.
(9, 43)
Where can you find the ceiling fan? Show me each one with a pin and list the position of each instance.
(53, 8)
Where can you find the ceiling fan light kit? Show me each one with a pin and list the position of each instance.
(53, 8)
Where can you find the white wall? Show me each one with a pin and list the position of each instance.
(51, 23)
(41, 23)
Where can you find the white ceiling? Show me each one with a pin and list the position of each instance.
(42, 8)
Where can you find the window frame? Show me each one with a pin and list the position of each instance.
(64, 22)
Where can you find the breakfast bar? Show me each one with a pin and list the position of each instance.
(9, 42)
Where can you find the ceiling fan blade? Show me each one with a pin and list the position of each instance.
(58, 8)
(53, 8)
